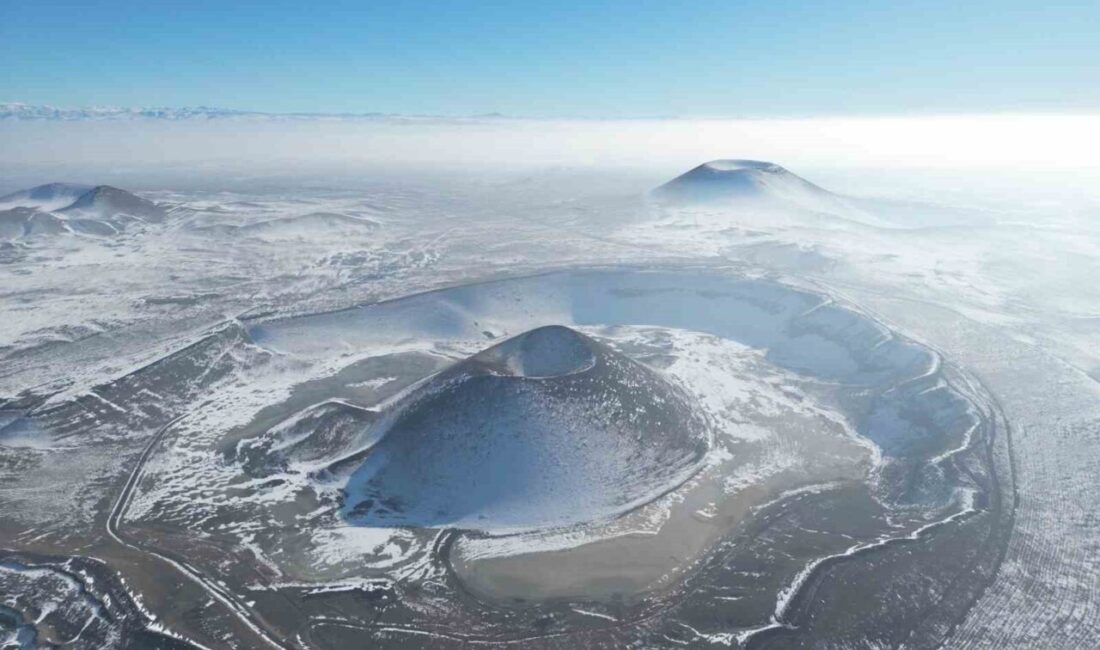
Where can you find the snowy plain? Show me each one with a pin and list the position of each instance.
(288, 286)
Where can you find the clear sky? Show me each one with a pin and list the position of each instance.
(558, 59)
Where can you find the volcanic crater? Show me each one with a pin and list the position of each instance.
(548, 428)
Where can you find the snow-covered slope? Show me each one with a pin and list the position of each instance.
(756, 185)
(305, 226)
(106, 202)
(27, 222)
(739, 179)
(52, 196)
(545, 429)
(58, 208)
(320, 435)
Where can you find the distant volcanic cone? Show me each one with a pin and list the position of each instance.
(723, 180)
(548, 428)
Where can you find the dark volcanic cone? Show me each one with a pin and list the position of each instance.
(548, 428)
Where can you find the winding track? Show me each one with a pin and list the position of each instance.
(216, 591)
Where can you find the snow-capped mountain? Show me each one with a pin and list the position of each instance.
(18, 111)
(21, 111)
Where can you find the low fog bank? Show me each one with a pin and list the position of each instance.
(1060, 149)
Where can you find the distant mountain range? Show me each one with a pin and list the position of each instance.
(16, 111)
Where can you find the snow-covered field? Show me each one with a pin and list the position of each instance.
(310, 409)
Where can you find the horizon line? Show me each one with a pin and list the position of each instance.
(16, 111)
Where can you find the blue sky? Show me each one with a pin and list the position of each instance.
(558, 59)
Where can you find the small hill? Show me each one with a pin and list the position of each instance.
(59, 208)
(18, 223)
(548, 428)
(106, 202)
(309, 225)
(49, 197)
(330, 432)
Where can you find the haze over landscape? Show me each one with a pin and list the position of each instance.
(724, 325)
